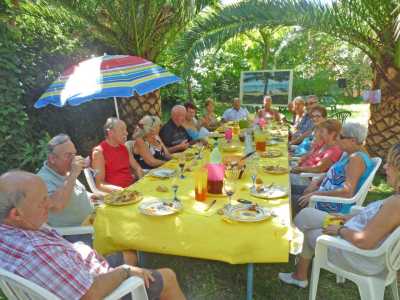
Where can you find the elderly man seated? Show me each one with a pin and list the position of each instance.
(112, 160)
(32, 250)
(173, 134)
(268, 112)
(235, 113)
(70, 200)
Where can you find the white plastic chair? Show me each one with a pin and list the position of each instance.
(91, 181)
(74, 230)
(16, 287)
(370, 287)
(357, 199)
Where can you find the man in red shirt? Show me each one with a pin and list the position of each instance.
(34, 251)
(112, 160)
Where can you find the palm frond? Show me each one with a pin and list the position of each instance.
(367, 24)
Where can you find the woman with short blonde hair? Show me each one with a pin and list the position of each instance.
(147, 146)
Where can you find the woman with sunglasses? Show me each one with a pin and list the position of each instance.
(318, 115)
(345, 177)
(147, 146)
(365, 230)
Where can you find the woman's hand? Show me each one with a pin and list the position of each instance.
(305, 199)
(332, 230)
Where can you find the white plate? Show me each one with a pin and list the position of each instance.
(272, 142)
(266, 192)
(247, 213)
(159, 208)
(162, 173)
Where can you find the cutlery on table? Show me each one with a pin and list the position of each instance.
(211, 205)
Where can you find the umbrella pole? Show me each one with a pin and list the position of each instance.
(116, 107)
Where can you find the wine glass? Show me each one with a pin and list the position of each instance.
(181, 165)
(253, 174)
(175, 190)
(229, 189)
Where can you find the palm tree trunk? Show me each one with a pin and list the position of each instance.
(384, 123)
(134, 108)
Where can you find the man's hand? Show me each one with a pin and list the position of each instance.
(296, 170)
(144, 274)
(77, 164)
(183, 145)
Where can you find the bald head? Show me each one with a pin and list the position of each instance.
(178, 114)
(27, 191)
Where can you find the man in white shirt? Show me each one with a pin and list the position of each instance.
(235, 113)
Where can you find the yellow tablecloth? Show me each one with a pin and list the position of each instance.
(195, 233)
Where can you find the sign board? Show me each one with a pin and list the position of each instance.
(276, 83)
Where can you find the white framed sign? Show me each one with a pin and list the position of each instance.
(276, 83)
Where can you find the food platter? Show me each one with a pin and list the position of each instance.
(123, 197)
(268, 192)
(271, 154)
(248, 213)
(230, 147)
(159, 208)
(216, 135)
(162, 173)
(277, 170)
(272, 142)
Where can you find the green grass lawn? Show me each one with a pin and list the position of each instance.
(209, 280)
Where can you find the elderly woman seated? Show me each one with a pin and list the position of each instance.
(209, 120)
(318, 115)
(324, 154)
(365, 230)
(345, 177)
(147, 147)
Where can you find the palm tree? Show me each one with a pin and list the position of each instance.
(135, 27)
(369, 25)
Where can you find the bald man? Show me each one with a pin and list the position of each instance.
(32, 250)
(235, 113)
(173, 134)
(112, 160)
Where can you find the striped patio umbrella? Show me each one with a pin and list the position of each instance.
(107, 76)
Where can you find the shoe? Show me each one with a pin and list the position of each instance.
(288, 278)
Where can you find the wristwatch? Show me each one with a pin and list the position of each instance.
(127, 270)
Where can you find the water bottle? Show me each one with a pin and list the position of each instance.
(215, 156)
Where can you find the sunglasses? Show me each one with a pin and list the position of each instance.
(342, 137)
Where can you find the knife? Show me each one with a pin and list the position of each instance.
(212, 203)
(247, 155)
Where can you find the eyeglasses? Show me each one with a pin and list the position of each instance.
(316, 116)
(342, 137)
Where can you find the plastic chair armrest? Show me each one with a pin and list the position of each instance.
(319, 198)
(313, 175)
(339, 243)
(355, 209)
(125, 288)
(74, 230)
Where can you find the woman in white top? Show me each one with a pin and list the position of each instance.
(365, 230)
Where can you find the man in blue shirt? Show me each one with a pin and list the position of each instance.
(235, 113)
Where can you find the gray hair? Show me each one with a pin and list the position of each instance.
(9, 200)
(299, 99)
(59, 139)
(110, 124)
(355, 130)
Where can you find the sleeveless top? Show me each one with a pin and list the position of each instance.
(117, 167)
(360, 220)
(158, 153)
(336, 175)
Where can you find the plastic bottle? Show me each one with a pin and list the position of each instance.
(215, 156)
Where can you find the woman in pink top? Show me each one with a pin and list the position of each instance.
(322, 157)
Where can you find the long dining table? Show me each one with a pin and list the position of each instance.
(199, 230)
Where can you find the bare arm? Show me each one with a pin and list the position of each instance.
(300, 138)
(354, 171)
(180, 147)
(384, 222)
(99, 165)
(104, 284)
(61, 197)
(322, 166)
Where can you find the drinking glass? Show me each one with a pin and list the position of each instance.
(181, 164)
(229, 188)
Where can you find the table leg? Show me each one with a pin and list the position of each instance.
(250, 275)
(141, 259)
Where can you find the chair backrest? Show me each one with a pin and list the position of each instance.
(392, 245)
(341, 115)
(16, 287)
(91, 180)
(363, 191)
